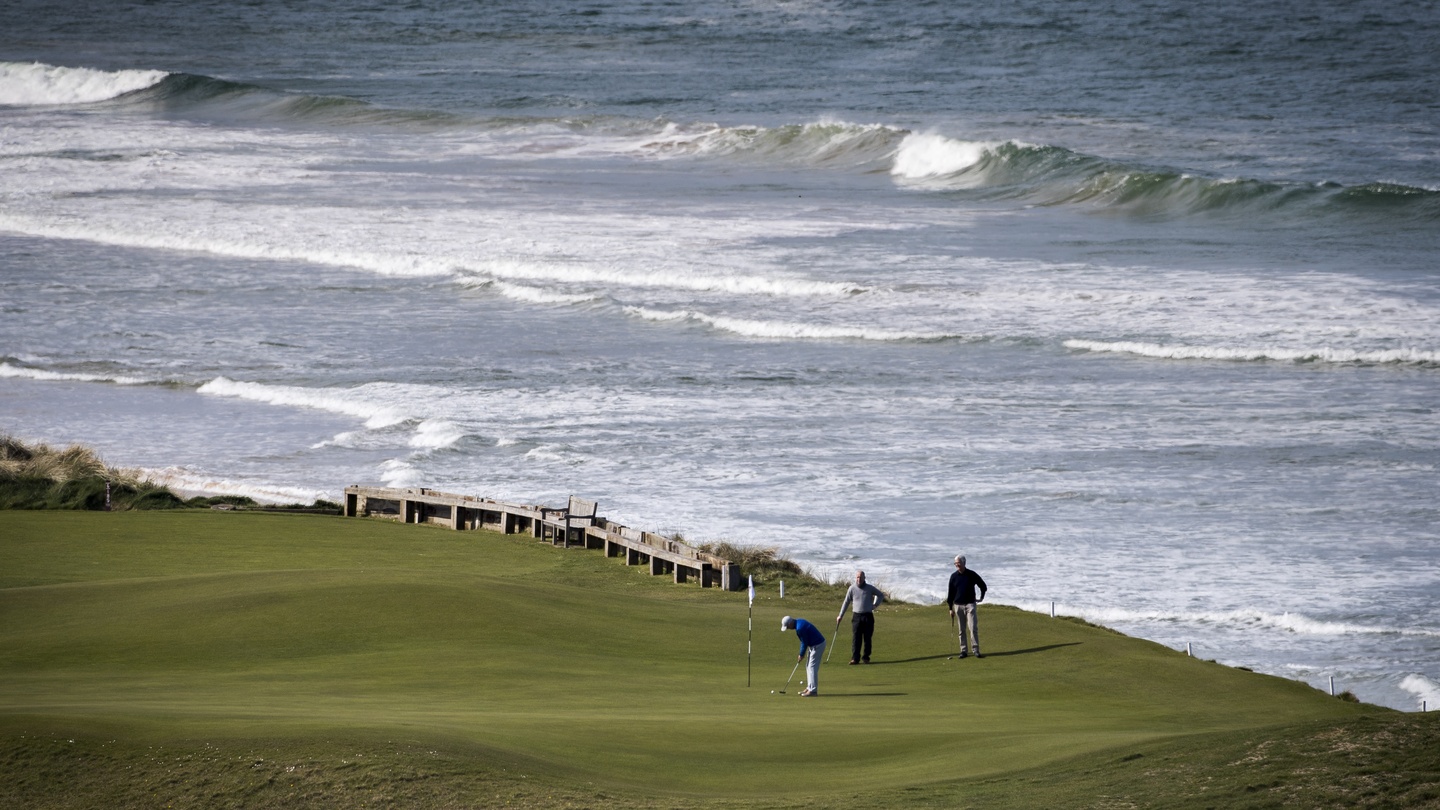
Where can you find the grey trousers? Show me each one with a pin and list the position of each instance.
(967, 619)
(812, 666)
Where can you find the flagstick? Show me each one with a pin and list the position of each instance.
(749, 630)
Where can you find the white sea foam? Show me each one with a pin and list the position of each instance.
(188, 482)
(399, 473)
(670, 278)
(30, 84)
(537, 295)
(434, 434)
(469, 271)
(1288, 622)
(1422, 688)
(189, 241)
(349, 401)
(7, 370)
(548, 452)
(928, 155)
(1324, 355)
(784, 330)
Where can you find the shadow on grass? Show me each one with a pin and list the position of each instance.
(1033, 649)
(906, 660)
(987, 655)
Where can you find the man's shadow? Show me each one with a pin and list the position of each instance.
(987, 655)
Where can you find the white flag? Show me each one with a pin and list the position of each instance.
(752, 590)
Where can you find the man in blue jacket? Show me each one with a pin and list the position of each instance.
(812, 642)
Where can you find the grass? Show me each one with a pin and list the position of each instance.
(194, 658)
(38, 476)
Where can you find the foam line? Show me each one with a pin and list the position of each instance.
(186, 482)
(432, 266)
(350, 402)
(786, 330)
(1409, 356)
(1288, 622)
(538, 295)
(662, 279)
(7, 370)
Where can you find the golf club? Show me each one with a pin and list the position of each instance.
(835, 637)
(787, 680)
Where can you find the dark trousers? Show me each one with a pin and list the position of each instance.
(862, 627)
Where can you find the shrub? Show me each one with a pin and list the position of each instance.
(40, 477)
(759, 562)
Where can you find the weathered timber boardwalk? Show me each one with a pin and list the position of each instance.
(576, 525)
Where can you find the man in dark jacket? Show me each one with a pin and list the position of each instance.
(962, 599)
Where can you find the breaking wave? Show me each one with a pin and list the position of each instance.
(373, 402)
(1245, 618)
(8, 370)
(1422, 688)
(1171, 352)
(186, 481)
(36, 84)
(1053, 175)
(1039, 174)
(786, 330)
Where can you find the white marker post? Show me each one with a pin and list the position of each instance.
(1052, 610)
(1187, 649)
(1332, 686)
(782, 589)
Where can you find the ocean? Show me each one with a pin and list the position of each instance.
(1137, 305)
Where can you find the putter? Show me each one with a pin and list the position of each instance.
(836, 638)
(789, 679)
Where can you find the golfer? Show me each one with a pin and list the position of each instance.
(962, 599)
(864, 598)
(812, 642)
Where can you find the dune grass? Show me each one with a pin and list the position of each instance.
(38, 476)
(210, 659)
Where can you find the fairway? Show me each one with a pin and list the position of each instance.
(503, 656)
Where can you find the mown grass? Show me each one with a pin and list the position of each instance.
(204, 659)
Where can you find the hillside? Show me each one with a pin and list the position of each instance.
(201, 658)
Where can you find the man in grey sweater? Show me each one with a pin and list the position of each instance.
(864, 598)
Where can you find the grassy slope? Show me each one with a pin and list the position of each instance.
(226, 659)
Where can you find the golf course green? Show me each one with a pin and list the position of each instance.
(200, 658)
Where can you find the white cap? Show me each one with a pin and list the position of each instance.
(785, 623)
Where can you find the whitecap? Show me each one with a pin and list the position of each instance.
(35, 83)
(1322, 355)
